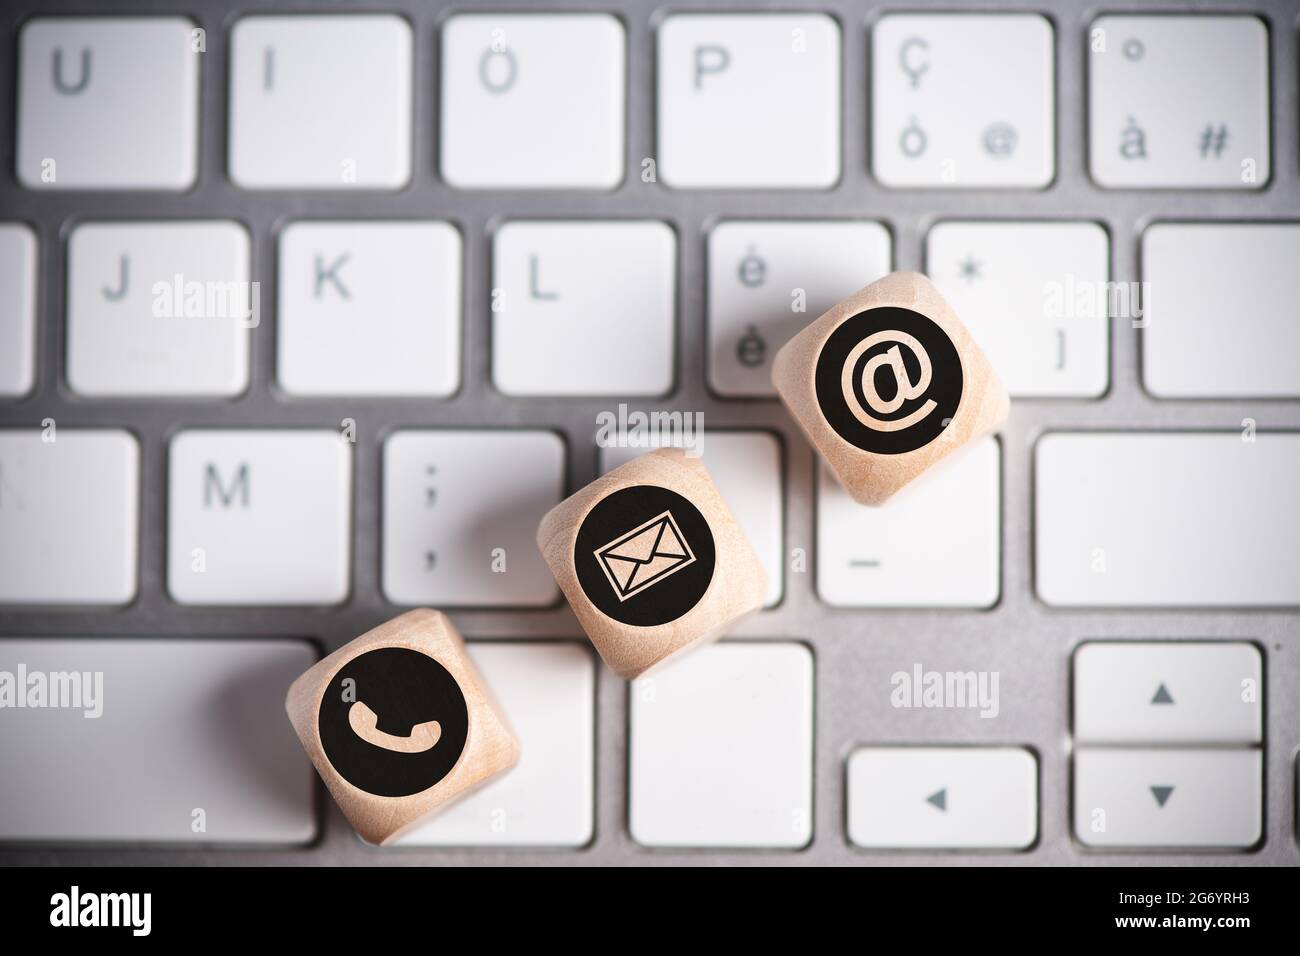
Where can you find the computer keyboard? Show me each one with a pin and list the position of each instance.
(308, 318)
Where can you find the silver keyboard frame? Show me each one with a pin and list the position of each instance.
(855, 651)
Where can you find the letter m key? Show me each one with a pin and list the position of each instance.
(225, 493)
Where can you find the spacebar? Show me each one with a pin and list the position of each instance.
(181, 741)
(1160, 519)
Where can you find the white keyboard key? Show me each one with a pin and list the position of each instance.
(1167, 519)
(935, 544)
(321, 102)
(370, 308)
(17, 310)
(1200, 273)
(1170, 691)
(1179, 101)
(1034, 295)
(178, 741)
(160, 308)
(108, 103)
(722, 749)
(767, 280)
(746, 467)
(583, 308)
(533, 100)
(1168, 798)
(548, 692)
(69, 510)
(749, 100)
(942, 797)
(460, 516)
(963, 100)
(259, 517)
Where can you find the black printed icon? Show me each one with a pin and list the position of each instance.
(645, 555)
(393, 722)
(888, 380)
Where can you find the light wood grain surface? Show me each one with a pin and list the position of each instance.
(739, 582)
(869, 477)
(490, 748)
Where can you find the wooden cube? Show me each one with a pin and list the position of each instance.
(399, 724)
(652, 561)
(887, 383)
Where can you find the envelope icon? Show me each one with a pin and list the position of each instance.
(641, 558)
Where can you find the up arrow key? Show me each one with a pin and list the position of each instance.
(1161, 794)
(1162, 696)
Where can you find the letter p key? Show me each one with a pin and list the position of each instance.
(710, 59)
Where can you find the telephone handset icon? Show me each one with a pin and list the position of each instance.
(409, 733)
(365, 724)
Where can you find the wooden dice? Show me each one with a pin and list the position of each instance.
(887, 383)
(399, 723)
(651, 560)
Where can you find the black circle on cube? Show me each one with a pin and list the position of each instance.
(888, 432)
(404, 688)
(644, 556)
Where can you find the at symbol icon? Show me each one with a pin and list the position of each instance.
(858, 380)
